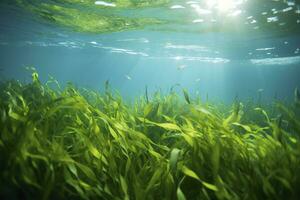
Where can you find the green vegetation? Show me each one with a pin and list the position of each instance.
(88, 16)
(79, 144)
(85, 16)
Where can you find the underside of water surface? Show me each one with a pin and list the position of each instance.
(150, 99)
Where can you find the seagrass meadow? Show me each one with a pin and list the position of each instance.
(149, 99)
(70, 143)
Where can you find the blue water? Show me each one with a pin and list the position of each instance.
(219, 65)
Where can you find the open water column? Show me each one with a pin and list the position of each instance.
(150, 99)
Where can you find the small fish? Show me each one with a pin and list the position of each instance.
(260, 90)
(198, 79)
(181, 67)
(128, 77)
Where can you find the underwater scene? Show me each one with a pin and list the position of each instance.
(150, 99)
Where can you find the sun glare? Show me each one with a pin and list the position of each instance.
(225, 5)
(211, 3)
